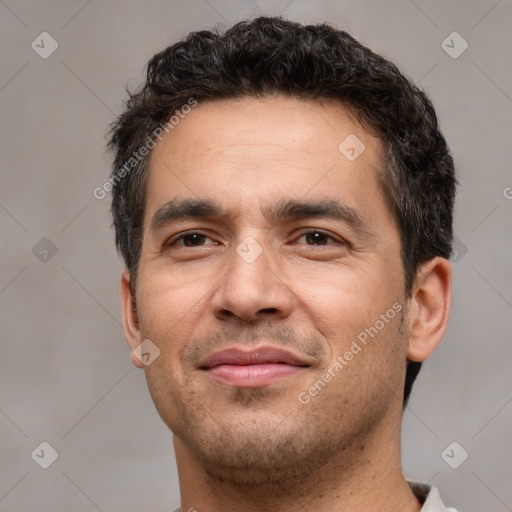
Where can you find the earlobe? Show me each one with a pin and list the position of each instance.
(130, 318)
(429, 308)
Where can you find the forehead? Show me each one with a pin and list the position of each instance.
(247, 150)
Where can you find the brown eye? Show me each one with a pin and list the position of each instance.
(316, 237)
(190, 240)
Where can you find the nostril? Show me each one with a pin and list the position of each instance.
(268, 310)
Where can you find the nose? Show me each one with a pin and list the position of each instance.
(251, 288)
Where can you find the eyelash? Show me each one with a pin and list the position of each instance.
(172, 242)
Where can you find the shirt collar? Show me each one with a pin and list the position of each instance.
(429, 498)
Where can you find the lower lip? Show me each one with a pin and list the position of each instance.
(253, 375)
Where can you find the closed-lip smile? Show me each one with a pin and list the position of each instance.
(259, 366)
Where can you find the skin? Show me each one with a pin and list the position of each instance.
(260, 449)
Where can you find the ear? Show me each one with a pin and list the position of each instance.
(130, 318)
(429, 308)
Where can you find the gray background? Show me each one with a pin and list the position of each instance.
(65, 370)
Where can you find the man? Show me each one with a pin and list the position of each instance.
(282, 199)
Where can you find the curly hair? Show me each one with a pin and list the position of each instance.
(268, 56)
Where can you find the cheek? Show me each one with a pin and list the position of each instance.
(169, 301)
(346, 307)
(165, 388)
(369, 363)
(167, 317)
(345, 299)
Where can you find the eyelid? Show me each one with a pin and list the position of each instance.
(323, 232)
(179, 236)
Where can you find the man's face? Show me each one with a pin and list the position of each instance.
(273, 271)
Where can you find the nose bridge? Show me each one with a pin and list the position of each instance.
(249, 250)
(250, 263)
(250, 287)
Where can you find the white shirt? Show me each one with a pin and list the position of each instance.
(430, 498)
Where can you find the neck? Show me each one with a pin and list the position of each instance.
(365, 476)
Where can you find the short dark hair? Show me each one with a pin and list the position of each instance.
(268, 56)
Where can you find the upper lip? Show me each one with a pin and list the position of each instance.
(257, 355)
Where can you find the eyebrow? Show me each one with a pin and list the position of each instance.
(320, 208)
(285, 209)
(182, 209)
